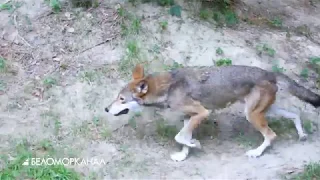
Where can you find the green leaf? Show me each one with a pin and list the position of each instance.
(55, 5)
(175, 10)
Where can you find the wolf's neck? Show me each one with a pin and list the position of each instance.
(158, 86)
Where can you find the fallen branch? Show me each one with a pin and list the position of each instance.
(99, 44)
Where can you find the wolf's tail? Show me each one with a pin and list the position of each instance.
(299, 91)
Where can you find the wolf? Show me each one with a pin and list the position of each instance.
(197, 91)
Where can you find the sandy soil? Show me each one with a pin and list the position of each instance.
(79, 51)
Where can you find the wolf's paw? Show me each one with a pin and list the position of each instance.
(254, 153)
(182, 155)
(184, 141)
(197, 143)
(178, 156)
(303, 137)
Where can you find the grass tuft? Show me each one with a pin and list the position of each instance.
(311, 172)
(3, 65)
(55, 5)
(265, 49)
(223, 62)
(84, 3)
(164, 130)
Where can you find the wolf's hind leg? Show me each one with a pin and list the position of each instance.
(257, 102)
(275, 111)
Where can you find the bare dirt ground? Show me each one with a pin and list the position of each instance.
(62, 71)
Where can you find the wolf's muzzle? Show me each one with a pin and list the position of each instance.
(125, 111)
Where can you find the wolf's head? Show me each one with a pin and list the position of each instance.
(131, 96)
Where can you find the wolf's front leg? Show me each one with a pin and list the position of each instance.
(184, 137)
(183, 154)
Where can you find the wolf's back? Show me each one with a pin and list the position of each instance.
(299, 91)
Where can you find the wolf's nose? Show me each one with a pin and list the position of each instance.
(106, 109)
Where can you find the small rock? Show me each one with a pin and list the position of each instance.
(68, 15)
(70, 30)
(57, 59)
(89, 15)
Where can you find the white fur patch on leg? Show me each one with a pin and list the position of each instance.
(258, 151)
(182, 155)
(184, 139)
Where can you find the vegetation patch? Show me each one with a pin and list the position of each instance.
(174, 66)
(221, 11)
(223, 62)
(84, 3)
(164, 130)
(310, 172)
(265, 49)
(96, 129)
(14, 168)
(282, 127)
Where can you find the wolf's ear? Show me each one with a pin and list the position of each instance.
(142, 87)
(138, 72)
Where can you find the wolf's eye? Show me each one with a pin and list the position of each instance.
(121, 99)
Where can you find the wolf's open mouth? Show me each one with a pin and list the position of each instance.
(125, 111)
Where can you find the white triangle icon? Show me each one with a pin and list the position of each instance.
(26, 163)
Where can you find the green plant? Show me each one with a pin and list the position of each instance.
(204, 14)
(165, 2)
(131, 58)
(231, 18)
(105, 133)
(136, 25)
(3, 86)
(223, 62)
(309, 126)
(164, 25)
(246, 141)
(46, 145)
(49, 82)
(164, 130)
(130, 25)
(57, 126)
(304, 73)
(6, 6)
(266, 49)
(315, 60)
(55, 5)
(282, 127)
(277, 68)
(3, 64)
(222, 12)
(276, 22)
(84, 3)
(10, 6)
(132, 48)
(121, 11)
(175, 10)
(175, 65)
(219, 51)
(310, 172)
(89, 76)
(133, 2)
